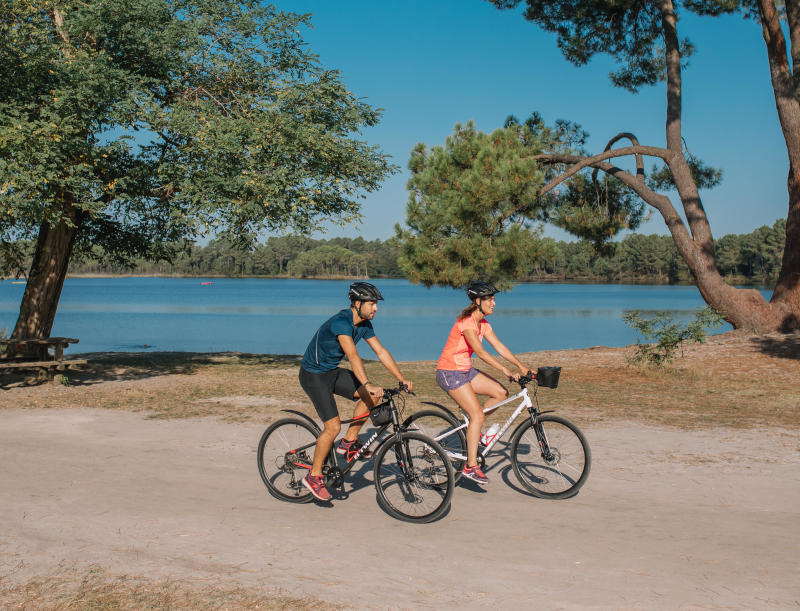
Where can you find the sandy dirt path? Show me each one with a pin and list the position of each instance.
(668, 520)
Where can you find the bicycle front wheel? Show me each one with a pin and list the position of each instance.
(413, 478)
(285, 455)
(551, 458)
(434, 424)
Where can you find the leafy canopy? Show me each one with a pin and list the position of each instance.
(159, 120)
(630, 31)
(474, 209)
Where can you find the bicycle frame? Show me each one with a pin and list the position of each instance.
(526, 402)
(348, 465)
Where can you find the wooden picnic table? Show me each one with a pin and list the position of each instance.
(35, 353)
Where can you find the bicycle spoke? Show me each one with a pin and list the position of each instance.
(417, 490)
(284, 477)
(556, 467)
(438, 427)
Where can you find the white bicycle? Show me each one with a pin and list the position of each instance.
(550, 455)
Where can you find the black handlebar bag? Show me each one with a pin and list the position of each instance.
(381, 414)
(548, 376)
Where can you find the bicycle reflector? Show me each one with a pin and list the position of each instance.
(548, 376)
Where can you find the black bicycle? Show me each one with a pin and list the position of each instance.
(413, 475)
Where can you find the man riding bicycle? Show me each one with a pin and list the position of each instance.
(322, 378)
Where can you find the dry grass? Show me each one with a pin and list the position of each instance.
(733, 380)
(96, 589)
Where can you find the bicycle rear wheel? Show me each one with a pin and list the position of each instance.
(433, 423)
(551, 458)
(285, 454)
(413, 478)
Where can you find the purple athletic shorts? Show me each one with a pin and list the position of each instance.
(450, 379)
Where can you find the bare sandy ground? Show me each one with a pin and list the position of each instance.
(669, 519)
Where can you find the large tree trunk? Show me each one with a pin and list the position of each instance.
(743, 308)
(46, 279)
(786, 296)
(785, 80)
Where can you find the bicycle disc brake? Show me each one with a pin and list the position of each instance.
(552, 456)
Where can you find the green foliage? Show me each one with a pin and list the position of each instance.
(61, 379)
(631, 32)
(474, 207)
(328, 260)
(460, 196)
(753, 258)
(596, 211)
(160, 120)
(667, 334)
(705, 177)
(291, 256)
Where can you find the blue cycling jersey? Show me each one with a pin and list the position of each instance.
(324, 352)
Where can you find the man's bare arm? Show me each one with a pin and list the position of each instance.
(349, 347)
(385, 357)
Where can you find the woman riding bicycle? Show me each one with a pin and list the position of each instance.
(458, 378)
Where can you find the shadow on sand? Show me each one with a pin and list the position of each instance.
(125, 366)
(781, 346)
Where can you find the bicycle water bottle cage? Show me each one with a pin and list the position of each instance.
(548, 376)
(381, 414)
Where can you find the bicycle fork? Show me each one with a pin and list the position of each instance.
(541, 436)
(402, 456)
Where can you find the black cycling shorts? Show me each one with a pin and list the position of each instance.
(320, 388)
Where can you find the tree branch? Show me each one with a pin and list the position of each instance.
(658, 201)
(793, 18)
(673, 58)
(582, 162)
(58, 20)
(639, 159)
(780, 73)
(661, 203)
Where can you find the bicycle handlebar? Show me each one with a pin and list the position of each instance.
(524, 380)
(391, 392)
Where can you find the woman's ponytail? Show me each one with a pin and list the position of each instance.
(466, 312)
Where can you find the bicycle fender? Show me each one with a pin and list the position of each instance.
(305, 417)
(441, 407)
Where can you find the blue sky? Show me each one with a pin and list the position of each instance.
(430, 64)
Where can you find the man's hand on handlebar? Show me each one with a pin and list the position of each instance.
(375, 392)
(406, 385)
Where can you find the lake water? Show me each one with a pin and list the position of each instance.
(279, 316)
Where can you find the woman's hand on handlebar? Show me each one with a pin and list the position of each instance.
(406, 385)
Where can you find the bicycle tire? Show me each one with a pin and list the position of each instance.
(426, 495)
(432, 423)
(560, 473)
(282, 479)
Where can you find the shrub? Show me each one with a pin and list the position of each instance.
(666, 336)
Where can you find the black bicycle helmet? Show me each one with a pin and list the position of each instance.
(364, 291)
(479, 290)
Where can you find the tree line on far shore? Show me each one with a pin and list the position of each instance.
(752, 258)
